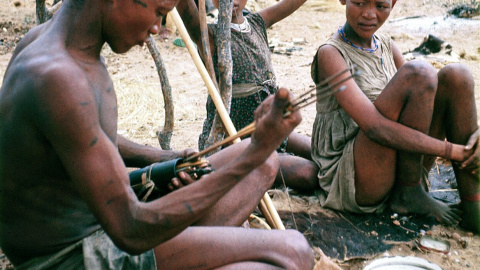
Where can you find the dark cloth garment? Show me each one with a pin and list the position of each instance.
(96, 252)
(252, 66)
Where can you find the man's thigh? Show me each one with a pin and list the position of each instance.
(213, 247)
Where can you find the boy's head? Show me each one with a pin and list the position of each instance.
(237, 9)
(365, 17)
(344, 1)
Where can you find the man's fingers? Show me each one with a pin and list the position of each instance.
(189, 152)
(185, 178)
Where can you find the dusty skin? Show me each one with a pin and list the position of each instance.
(141, 105)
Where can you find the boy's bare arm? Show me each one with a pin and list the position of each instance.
(280, 11)
(188, 10)
(377, 127)
(397, 55)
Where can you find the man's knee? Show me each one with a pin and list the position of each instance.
(299, 250)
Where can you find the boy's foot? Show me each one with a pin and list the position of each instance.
(470, 216)
(415, 200)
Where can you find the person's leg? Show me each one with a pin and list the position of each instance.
(235, 248)
(407, 99)
(455, 117)
(237, 205)
(300, 145)
(297, 173)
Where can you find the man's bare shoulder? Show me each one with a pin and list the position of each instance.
(43, 75)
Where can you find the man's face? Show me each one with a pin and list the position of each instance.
(130, 22)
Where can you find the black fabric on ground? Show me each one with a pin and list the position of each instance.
(344, 236)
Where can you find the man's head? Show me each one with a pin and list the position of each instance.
(127, 23)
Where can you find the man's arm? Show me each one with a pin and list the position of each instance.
(280, 11)
(67, 113)
(137, 155)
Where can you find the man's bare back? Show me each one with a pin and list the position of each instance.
(35, 179)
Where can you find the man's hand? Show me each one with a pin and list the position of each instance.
(182, 180)
(186, 153)
(271, 125)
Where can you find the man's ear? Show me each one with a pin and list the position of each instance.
(343, 2)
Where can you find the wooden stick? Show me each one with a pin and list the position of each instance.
(202, 15)
(224, 67)
(266, 214)
(214, 93)
(217, 100)
(273, 212)
(165, 135)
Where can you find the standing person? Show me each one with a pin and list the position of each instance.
(375, 141)
(66, 200)
(253, 77)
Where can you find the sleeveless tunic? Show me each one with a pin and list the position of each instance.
(334, 131)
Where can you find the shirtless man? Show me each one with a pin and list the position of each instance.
(66, 201)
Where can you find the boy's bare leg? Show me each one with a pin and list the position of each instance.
(455, 117)
(297, 173)
(300, 145)
(235, 248)
(407, 99)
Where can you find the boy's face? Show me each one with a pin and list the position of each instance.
(129, 22)
(367, 16)
(238, 6)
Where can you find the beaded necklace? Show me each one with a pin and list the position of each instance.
(344, 37)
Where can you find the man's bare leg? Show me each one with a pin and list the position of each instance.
(237, 205)
(407, 99)
(235, 248)
(455, 117)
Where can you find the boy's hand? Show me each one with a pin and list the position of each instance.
(472, 147)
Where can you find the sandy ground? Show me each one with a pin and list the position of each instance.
(140, 100)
